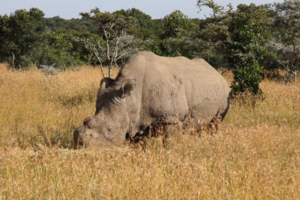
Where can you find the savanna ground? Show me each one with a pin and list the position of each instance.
(255, 155)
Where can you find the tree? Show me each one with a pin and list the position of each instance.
(237, 38)
(177, 24)
(21, 34)
(245, 47)
(144, 26)
(217, 10)
(146, 30)
(214, 32)
(60, 51)
(179, 35)
(286, 43)
(72, 26)
(116, 44)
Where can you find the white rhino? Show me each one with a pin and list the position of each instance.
(152, 91)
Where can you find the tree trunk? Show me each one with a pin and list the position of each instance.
(13, 60)
(110, 68)
(101, 67)
(109, 72)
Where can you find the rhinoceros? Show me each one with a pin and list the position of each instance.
(151, 91)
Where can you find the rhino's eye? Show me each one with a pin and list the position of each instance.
(109, 129)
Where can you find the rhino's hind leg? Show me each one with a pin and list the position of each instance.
(213, 126)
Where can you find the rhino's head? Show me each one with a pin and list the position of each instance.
(109, 125)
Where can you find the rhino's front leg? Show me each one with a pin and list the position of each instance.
(171, 132)
(140, 138)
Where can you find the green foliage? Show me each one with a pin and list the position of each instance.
(20, 33)
(74, 26)
(177, 24)
(230, 38)
(178, 37)
(115, 44)
(184, 46)
(214, 33)
(109, 25)
(144, 25)
(245, 47)
(286, 38)
(25, 41)
(287, 21)
(60, 51)
(247, 79)
(145, 29)
(153, 45)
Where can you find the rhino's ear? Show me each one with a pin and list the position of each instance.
(105, 83)
(127, 86)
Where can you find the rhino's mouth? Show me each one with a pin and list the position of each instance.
(86, 137)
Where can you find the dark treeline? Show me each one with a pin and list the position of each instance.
(247, 39)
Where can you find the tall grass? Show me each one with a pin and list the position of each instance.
(255, 155)
(44, 109)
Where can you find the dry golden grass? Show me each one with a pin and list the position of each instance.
(255, 155)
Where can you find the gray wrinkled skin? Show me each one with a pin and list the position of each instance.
(149, 91)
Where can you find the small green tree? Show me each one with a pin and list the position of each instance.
(245, 47)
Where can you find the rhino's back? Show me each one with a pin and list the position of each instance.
(172, 88)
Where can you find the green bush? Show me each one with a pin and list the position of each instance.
(247, 79)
